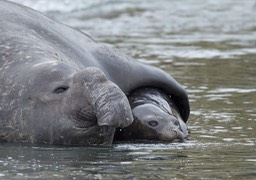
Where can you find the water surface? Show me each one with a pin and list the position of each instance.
(208, 46)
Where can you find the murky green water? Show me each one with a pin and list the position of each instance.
(209, 47)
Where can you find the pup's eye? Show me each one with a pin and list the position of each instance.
(177, 123)
(153, 123)
(60, 89)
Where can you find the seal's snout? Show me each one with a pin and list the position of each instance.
(172, 134)
(109, 104)
(178, 135)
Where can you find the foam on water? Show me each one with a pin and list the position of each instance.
(149, 147)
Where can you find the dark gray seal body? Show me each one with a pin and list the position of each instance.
(59, 86)
(156, 117)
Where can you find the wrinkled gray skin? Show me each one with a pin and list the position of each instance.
(58, 86)
(156, 117)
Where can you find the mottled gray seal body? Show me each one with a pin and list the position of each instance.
(156, 117)
(59, 86)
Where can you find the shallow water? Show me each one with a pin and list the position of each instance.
(208, 46)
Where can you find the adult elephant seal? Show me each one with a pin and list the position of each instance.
(58, 86)
(156, 117)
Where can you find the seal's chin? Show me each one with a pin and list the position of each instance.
(93, 135)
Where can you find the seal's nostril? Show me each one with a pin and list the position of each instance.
(177, 123)
(175, 132)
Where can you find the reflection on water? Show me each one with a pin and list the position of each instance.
(128, 161)
(208, 46)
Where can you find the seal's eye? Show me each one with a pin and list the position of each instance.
(153, 123)
(177, 123)
(60, 89)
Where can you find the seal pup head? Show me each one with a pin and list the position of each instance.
(155, 118)
(63, 105)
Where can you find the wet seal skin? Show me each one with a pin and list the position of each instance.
(156, 118)
(59, 86)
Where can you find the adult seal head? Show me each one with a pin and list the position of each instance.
(59, 86)
(156, 118)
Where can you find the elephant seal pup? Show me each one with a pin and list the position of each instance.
(58, 86)
(156, 117)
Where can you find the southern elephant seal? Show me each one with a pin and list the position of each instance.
(156, 117)
(58, 86)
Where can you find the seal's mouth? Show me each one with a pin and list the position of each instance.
(173, 135)
(102, 129)
(84, 124)
(89, 127)
(86, 131)
(83, 119)
(82, 127)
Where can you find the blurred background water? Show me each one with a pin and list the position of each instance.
(208, 46)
